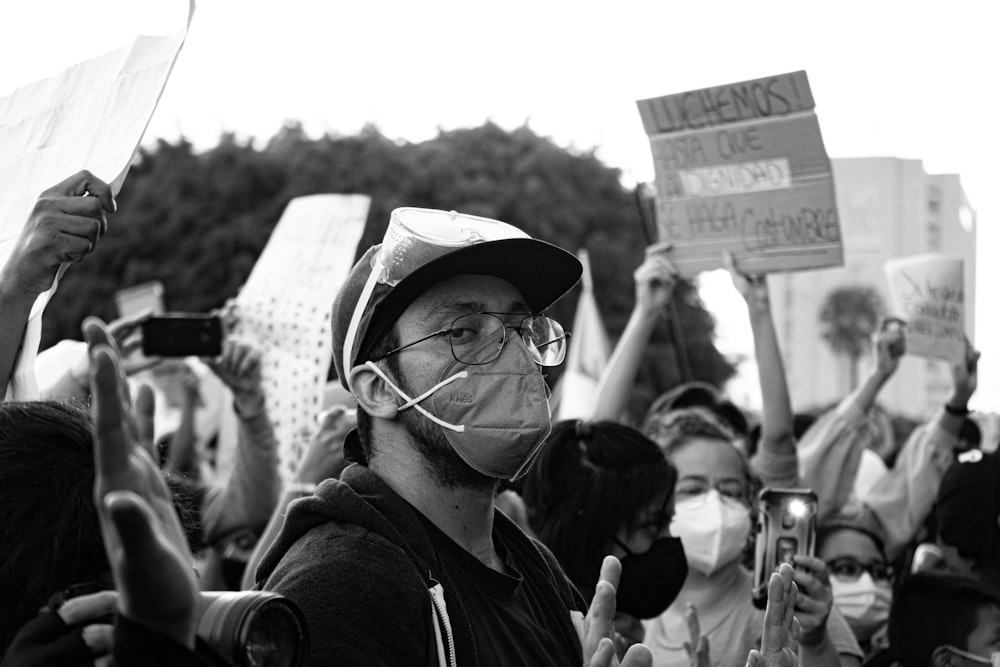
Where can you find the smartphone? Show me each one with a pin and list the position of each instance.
(786, 527)
(182, 335)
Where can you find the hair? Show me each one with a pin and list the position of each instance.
(389, 341)
(699, 395)
(674, 430)
(933, 609)
(590, 480)
(828, 530)
(50, 537)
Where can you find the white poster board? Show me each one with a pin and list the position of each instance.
(742, 168)
(91, 116)
(928, 291)
(285, 310)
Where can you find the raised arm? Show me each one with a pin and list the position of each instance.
(903, 498)
(249, 497)
(838, 438)
(655, 280)
(776, 460)
(64, 226)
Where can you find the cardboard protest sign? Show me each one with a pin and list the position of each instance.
(928, 291)
(285, 309)
(91, 116)
(742, 168)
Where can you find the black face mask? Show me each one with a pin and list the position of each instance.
(651, 580)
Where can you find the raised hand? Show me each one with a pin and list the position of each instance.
(965, 377)
(753, 289)
(780, 635)
(599, 627)
(890, 346)
(324, 457)
(697, 647)
(64, 226)
(142, 534)
(815, 598)
(239, 367)
(655, 280)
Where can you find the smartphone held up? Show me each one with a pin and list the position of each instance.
(786, 527)
(182, 335)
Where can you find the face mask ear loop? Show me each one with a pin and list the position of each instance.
(359, 311)
(414, 402)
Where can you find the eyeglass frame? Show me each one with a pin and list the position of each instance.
(865, 567)
(451, 345)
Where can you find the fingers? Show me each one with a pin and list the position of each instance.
(81, 183)
(611, 572)
(599, 623)
(638, 655)
(144, 410)
(111, 447)
(133, 521)
(755, 659)
(86, 608)
(661, 248)
(694, 627)
(604, 654)
(99, 638)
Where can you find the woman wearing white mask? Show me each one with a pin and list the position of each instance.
(859, 575)
(713, 519)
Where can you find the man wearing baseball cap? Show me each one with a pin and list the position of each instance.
(440, 334)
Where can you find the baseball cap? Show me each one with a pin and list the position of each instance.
(421, 248)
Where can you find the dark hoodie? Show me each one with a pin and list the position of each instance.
(358, 561)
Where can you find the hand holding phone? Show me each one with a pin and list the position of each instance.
(786, 528)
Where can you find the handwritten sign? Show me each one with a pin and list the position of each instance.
(285, 308)
(928, 291)
(91, 116)
(742, 168)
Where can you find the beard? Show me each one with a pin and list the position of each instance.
(440, 460)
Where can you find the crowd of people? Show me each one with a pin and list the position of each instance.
(439, 517)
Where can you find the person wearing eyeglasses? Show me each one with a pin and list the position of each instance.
(859, 577)
(440, 333)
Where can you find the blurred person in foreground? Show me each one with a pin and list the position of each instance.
(439, 333)
(945, 620)
(604, 488)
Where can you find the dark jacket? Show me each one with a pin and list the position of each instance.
(358, 561)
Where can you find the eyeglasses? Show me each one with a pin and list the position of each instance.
(478, 338)
(851, 569)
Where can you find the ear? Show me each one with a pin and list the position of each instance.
(942, 657)
(374, 395)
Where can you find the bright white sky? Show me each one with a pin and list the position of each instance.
(906, 79)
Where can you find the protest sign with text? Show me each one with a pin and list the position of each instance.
(285, 309)
(90, 116)
(742, 168)
(928, 292)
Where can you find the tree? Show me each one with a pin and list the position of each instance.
(848, 320)
(198, 221)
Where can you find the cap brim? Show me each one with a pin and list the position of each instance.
(541, 271)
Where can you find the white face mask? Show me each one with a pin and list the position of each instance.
(863, 603)
(994, 658)
(713, 529)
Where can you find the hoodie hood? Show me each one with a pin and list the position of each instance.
(362, 499)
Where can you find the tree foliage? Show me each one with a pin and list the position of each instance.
(198, 220)
(848, 319)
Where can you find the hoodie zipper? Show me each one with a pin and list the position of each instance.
(441, 618)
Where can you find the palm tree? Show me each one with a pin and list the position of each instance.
(848, 319)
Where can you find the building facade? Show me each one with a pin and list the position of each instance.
(888, 208)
